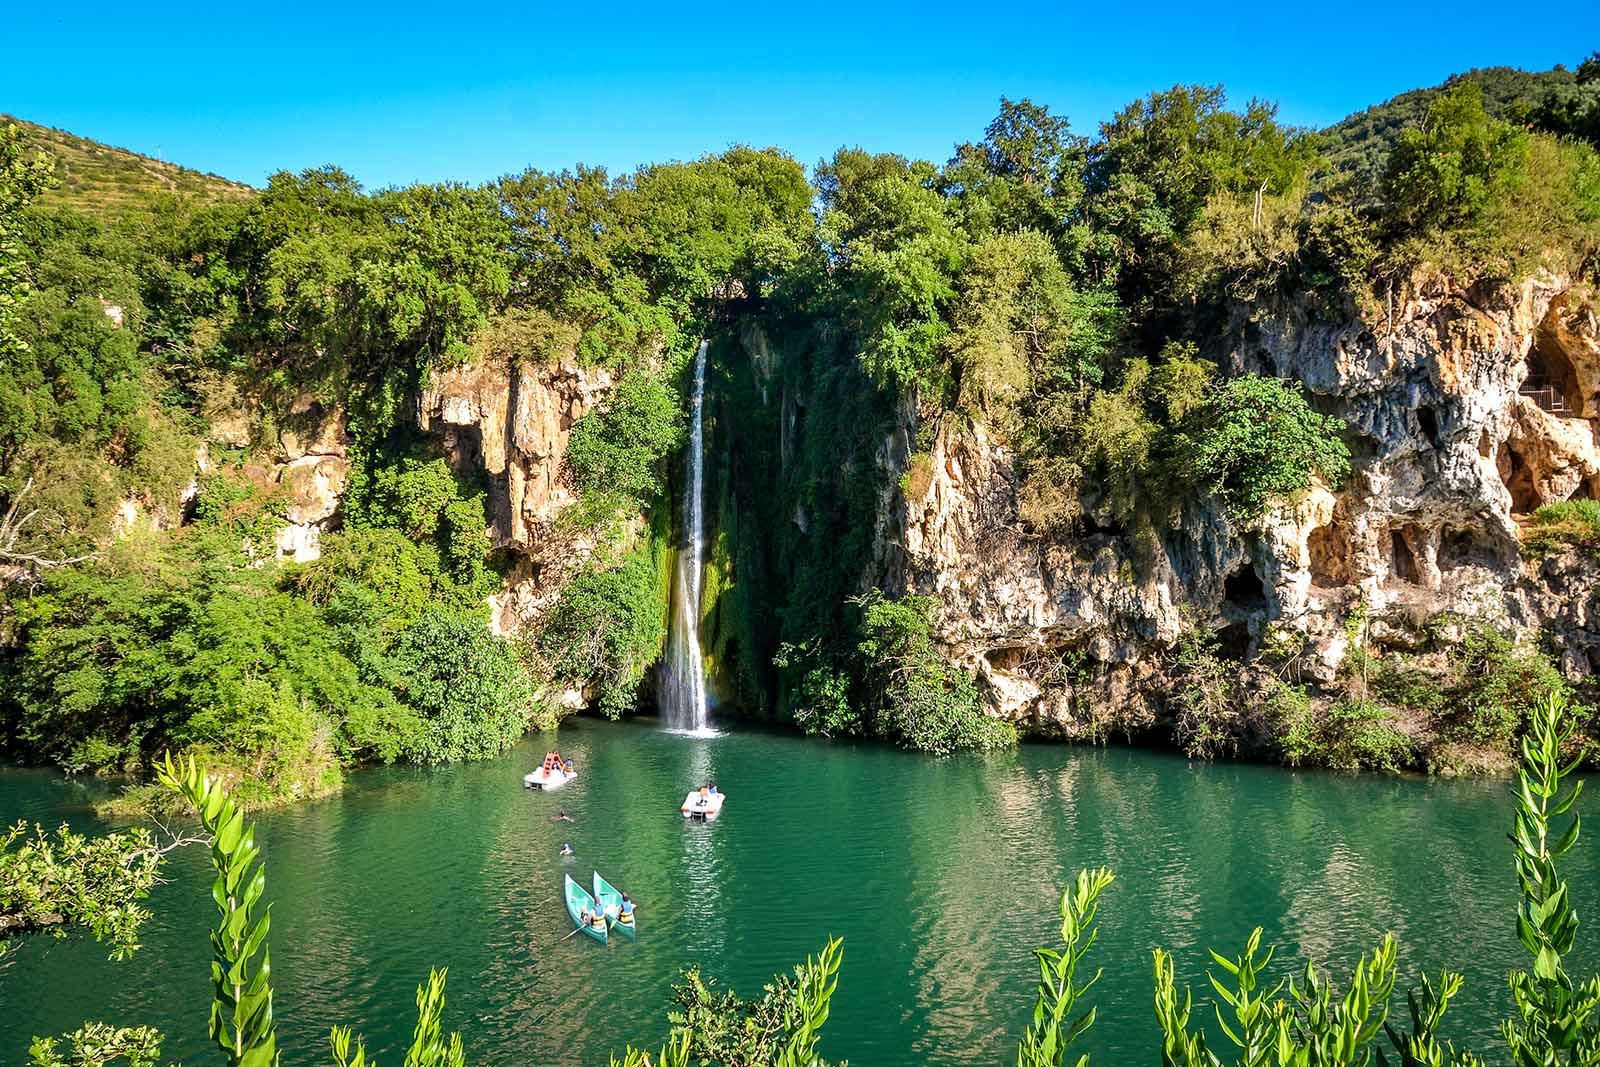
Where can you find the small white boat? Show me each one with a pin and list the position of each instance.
(547, 779)
(696, 806)
(550, 774)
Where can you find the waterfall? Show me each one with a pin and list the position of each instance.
(683, 683)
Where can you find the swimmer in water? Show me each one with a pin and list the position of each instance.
(566, 849)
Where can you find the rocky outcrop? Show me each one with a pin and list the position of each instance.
(311, 462)
(510, 422)
(1470, 406)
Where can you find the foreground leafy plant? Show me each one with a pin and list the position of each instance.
(1420, 1048)
(1051, 1034)
(429, 1046)
(94, 1044)
(241, 1006)
(48, 883)
(1556, 1017)
(1309, 1028)
(781, 1029)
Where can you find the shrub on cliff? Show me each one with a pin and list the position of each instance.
(1351, 735)
(913, 696)
(1255, 442)
(1569, 522)
(608, 627)
(440, 514)
(617, 451)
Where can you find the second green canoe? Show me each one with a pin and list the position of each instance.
(611, 901)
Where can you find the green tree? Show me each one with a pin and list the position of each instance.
(474, 698)
(616, 451)
(23, 176)
(1448, 172)
(1254, 442)
(897, 248)
(607, 628)
(1026, 174)
(1155, 167)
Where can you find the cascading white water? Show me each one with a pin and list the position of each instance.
(683, 683)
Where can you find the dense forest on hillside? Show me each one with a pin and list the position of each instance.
(1059, 286)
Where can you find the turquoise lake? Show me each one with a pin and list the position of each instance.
(941, 875)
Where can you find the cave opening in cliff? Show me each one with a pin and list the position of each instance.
(1461, 546)
(1402, 561)
(1428, 423)
(1551, 381)
(1328, 552)
(1244, 591)
(1518, 480)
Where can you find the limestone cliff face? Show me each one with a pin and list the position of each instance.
(511, 421)
(307, 460)
(1471, 406)
(311, 461)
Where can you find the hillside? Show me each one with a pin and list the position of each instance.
(103, 180)
(1358, 144)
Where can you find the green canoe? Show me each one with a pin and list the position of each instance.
(611, 900)
(577, 900)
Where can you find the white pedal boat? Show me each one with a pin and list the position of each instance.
(548, 779)
(706, 807)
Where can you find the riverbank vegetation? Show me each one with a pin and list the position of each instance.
(165, 358)
(1261, 1018)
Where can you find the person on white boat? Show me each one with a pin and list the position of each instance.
(705, 796)
(568, 767)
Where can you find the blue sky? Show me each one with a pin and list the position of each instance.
(401, 92)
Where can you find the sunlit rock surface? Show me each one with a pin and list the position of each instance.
(1469, 406)
(511, 422)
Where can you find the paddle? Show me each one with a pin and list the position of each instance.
(579, 930)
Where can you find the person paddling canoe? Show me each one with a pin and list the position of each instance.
(625, 911)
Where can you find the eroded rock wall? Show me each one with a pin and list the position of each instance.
(511, 421)
(1471, 406)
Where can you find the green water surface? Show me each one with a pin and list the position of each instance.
(940, 875)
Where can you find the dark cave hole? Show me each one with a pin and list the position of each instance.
(1428, 420)
(1404, 564)
(1233, 642)
(1244, 590)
